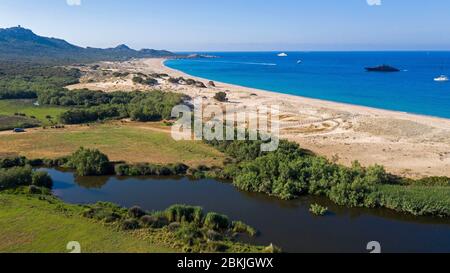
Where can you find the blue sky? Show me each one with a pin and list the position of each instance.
(208, 25)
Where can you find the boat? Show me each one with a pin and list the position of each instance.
(441, 78)
(382, 68)
(282, 55)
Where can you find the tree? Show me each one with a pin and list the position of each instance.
(88, 162)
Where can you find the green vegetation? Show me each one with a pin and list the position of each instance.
(137, 79)
(96, 105)
(41, 180)
(47, 84)
(148, 80)
(217, 221)
(11, 122)
(22, 45)
(180, 227)
(240, 227)
(130, 142)
(44, 224)
(210, 233)
(318, 210)
(417, 200)
(21, 112)
(21, 84)
(107, 224)
(20, 176)
(87, 162)
(24, 80)
(15, 177)
(147, 169)
(221, 96)
(291, 172)
(181, 80)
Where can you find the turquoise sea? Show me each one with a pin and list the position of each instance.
(336, 76)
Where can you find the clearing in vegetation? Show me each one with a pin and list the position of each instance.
(132, 142)
(25, 109)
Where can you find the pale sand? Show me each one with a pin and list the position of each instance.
(406, 144)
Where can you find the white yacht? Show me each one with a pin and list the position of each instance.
(282, 55)
(441, 78)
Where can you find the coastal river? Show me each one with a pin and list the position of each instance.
(287, 224)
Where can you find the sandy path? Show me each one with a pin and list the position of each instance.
(407, 144)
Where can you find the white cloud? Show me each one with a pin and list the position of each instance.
(73, 2)
(374, 2)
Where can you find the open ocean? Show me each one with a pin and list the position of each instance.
(337, 76)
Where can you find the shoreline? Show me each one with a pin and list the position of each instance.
(306, 99)
(406, 144)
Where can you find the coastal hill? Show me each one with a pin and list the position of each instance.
(18, 43)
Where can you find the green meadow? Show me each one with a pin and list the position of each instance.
(40, 114)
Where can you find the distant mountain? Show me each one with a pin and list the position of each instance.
(18, 43)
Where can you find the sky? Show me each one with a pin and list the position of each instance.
(238, 25)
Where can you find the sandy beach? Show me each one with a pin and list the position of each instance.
(406, 144)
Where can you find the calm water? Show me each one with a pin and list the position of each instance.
(285, 223)
(337, 76)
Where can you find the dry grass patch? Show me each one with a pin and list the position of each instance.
(130, 141)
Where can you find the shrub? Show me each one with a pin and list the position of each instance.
(432, 181)
(216, 221)
(188, 233)
(136, 212)
(138, 80)
(104, 211)
(179, 169)
(42, 179)
(221, 96)
(217, 247)
(130, 224)
(318, 210)
(150, 169)
(174, 226)
(59, 162)
(10, 162)
(34, 190)
(154, 221)
(240, 227)
(183, 213)
(354, 194)
(199, 84)
(15, 177)
(150, 81)
(121, 169)
(213, 235)
(88, 162)
(417, 200)
(102, 214)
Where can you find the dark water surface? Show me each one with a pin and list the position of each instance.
(285, 223)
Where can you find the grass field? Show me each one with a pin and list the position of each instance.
(10, 107)
(130, 142)
(31, 225)
(11, 122)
